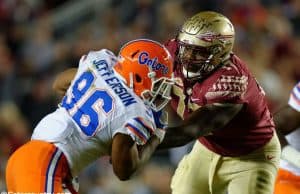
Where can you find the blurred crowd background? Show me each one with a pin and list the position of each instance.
(39, 38)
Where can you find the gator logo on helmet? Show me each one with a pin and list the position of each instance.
(153, 63)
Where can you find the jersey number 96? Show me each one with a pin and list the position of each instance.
(87, 105)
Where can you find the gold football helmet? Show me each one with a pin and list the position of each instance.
(205, 42)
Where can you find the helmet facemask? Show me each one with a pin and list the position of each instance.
(160, 93)
(197, 62)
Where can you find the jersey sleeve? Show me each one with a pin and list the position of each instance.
(139, 129)
(136, 122)
(294, 100)
(228, 87)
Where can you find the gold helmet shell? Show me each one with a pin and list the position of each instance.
(207, 30)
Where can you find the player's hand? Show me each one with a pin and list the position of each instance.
(161, 120)
(291, 155)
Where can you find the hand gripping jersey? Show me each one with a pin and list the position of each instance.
(232, 83)
(97, 106)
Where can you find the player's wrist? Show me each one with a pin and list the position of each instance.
(291, 155)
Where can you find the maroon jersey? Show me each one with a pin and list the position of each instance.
(250, 129)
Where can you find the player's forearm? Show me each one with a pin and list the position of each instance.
(146, 151)
(286, 120)
(175, 137)
(200, 123)
(127, 161)
(182, 135)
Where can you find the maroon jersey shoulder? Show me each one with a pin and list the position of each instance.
(228, 84)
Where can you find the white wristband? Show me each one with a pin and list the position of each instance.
(291, 155)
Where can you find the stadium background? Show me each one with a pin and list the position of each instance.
(39, 38)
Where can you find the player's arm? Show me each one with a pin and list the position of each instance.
(287, 119)
(201, 122)
(127, 156)
(63, 81)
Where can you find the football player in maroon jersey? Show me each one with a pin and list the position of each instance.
(220, 102)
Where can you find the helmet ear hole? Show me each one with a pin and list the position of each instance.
(138, 78)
